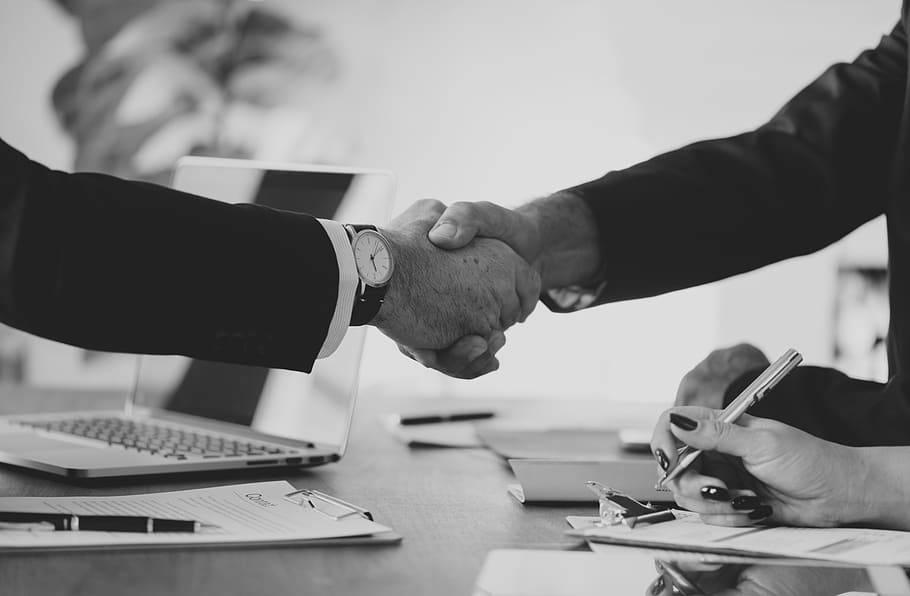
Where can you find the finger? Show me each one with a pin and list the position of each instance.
(663, 443)
(486, 362)
(694, 485)
(729, 519)
(468, 358)
(700, 428)
(510, 310)
(406, 352)
(420, 209)
(463, 221)
(454, 358)
(528, 286)
(687, 389)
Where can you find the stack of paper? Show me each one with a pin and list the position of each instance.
(842, 545)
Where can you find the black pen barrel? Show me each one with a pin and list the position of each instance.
(125, 523)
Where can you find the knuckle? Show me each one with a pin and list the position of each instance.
(431, 205)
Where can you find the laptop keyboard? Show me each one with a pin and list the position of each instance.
(169, 441)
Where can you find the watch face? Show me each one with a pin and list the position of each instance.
(373, 259)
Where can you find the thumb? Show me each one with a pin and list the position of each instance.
(462, 222)
(702, 429)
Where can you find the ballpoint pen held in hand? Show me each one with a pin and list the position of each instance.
(750, 396)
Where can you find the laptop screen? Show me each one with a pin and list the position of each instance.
(315, 407)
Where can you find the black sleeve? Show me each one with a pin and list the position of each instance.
(835, 407)
(819, 169)
(107, 264)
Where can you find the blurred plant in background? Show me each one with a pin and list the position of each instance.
(162, 79)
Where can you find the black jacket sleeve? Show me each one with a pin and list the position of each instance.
(819, 169)
(835, 407)
(108, 264)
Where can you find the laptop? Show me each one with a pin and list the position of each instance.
(187, 415)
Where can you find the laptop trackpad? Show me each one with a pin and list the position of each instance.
(30, 443)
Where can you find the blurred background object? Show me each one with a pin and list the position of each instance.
(472, 100)
(166, 78)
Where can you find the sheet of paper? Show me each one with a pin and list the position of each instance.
(253, 513)
(584, 522)
(846, 545)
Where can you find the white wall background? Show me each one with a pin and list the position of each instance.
(505, 100)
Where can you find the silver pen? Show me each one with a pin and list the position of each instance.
(749, 396)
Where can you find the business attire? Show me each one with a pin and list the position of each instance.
(109, 264)
(836, 156)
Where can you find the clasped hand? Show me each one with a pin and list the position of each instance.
(449, 309)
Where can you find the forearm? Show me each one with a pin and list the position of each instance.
(567, 238)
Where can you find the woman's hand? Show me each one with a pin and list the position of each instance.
(759, 469)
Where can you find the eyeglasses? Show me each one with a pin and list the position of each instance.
(327, 505)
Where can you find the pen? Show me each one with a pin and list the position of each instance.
(435, 418)
(750, 396)
(20, 520)
(650, 518)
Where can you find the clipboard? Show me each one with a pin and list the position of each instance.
(243, 515)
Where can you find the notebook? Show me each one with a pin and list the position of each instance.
(190, 415)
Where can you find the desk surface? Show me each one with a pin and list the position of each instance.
(450, 505)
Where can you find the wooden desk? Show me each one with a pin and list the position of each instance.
(450, 505)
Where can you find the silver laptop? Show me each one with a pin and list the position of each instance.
(188, 415)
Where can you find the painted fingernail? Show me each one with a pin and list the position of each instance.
(746, 502)
(715, 493)
(683, 422)
(662, 460)
(760, 512)
(445, 230)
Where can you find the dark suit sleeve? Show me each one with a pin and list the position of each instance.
(819, 169)
(835, 407)
(107, 264)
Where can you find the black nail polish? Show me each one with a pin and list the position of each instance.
(715, 493)
(745, 503)
(683, 422)
(760, 512)
(662, 460)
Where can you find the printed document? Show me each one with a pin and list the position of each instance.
(858, 546)
(249, 514)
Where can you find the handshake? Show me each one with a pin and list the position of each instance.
(463, 276)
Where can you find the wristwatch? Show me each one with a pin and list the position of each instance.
(375, 266)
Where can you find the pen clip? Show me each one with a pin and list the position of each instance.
(615, 506)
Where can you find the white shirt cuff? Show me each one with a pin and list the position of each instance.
(576, 297)
(348, 281)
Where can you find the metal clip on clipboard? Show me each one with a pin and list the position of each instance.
(617, 508)
(327, 505)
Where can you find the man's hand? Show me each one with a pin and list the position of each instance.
(706, 384)
(462, 222)
(557, 235)
(438, 297)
